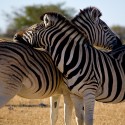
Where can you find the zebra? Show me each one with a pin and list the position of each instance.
(53, 99)
(90, 73)
(89, 22)
(25, 37)
(31, 73)
(99, 34)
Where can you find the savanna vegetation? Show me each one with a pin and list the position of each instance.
(30, 15)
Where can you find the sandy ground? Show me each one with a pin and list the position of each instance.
(28, 112)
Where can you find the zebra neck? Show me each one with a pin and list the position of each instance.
(78, 21)
(70, 56)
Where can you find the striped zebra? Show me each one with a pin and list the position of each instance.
(90, 73)
(25, 37)
(55, 98)
(31, 73)
(99, 34)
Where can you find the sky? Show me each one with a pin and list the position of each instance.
(113, 11)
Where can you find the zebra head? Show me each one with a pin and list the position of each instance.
(30, 35)
(55, 20)
(99, 34)
(33, 35)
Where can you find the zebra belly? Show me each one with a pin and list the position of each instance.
(113, 95)
(31, 93)
(28, 87)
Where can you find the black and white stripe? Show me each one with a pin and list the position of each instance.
(91, 74)
(31, 73)
(99, 34)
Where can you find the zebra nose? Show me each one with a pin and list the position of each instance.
(16, 37)
(19, 39)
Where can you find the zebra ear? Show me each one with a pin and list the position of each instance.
(95, 13)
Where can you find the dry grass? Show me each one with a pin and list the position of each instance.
(2, 39)
(27, 112)
(109, 114)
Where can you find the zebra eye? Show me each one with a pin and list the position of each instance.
(46, 21)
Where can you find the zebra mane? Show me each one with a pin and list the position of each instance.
(54, 14)
(87, 11)
(90, 9)
(61, 17)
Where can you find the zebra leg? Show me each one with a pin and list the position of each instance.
(54, 106)
(89, 102)
(79, 109)
(68, 107)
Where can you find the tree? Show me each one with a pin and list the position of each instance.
(29, 15)
(120, 31)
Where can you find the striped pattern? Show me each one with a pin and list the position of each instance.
(31, 73)
(91, 74)
(99, 34)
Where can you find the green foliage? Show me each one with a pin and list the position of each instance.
(120, 30)
(29, 15)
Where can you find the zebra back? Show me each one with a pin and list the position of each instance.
(31, 69)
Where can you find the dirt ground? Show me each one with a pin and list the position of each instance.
(29, 112)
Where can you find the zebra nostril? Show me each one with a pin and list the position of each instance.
(16, 37)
